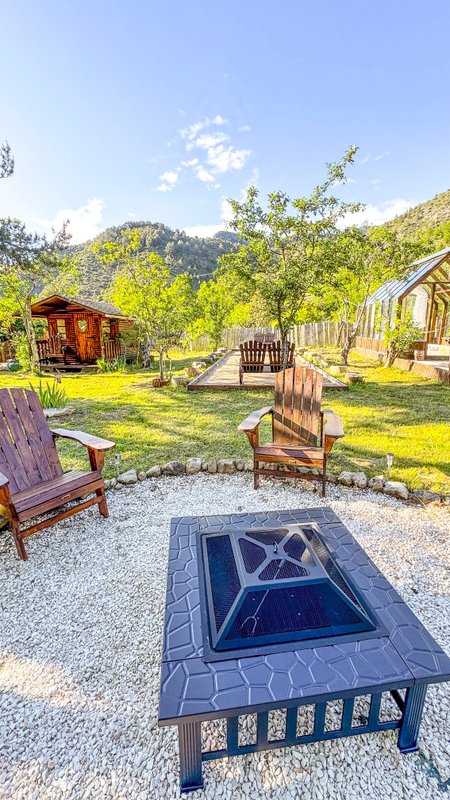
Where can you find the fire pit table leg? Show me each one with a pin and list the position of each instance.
(189, 739)
(412, 715)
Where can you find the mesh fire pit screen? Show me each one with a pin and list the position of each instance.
(262, 590)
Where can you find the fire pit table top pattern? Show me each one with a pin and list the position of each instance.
(401, 654)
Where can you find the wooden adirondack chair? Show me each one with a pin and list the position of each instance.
(31, 478)
(276, 356)
(252, 358)
(302, 434)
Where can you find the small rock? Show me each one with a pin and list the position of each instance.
(199, 364)
(193, 465)
(240, 466)
(396, 489)
(112, 482)
(118, 485)
(173, 468)
(331, 477)
(204, 466)
(346, 478)
(360, 480)
(226, 466)
(212, 466)
(376, 483)
(426, 497)
(180, 380)
(154, 472)
(129, 477)
(142, 476)
(249, 466)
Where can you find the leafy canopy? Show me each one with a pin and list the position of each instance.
(287, 246)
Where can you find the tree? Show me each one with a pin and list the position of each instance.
(400, 338)
(144, 289)
(366, 257)
(6, 161)
(29, 262)
(214, 304)
(286, 249)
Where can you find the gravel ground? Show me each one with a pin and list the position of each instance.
(80, 653)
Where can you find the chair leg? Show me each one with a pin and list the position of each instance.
(103, 505)
(20, 547)
(255, 474)
(324, 480)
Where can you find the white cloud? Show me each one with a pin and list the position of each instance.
(365, 159)
(84, 222)
(169, 177)
(208, 140)
(244, 128)
(203, 231)
(223, 160)
(190, 132)
(163, 187)
(377, 215)
(203, 175)
(375, 182)
(382, 155)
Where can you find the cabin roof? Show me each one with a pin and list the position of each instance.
(418, 271)
(56, 301)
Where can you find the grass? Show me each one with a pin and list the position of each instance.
(392, 411)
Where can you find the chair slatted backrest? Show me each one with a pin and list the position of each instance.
(298, 394)
(28, 453)
(275, 351)
(252, 356)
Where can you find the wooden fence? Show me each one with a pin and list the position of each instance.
(310, 334)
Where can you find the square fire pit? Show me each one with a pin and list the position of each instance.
(284, 610)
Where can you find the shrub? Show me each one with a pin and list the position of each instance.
(51, 395)
(115, 365)
(400, 339)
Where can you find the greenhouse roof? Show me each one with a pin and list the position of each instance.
(418, 272)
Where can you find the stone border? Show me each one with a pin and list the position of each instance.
(229, 466)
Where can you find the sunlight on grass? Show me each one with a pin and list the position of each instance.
(392, 411)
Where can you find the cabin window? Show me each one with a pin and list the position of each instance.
(61, 328)
(82, 325)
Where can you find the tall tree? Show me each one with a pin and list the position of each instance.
(6, 161)
(144, 289)
(214, 304)
(366, 258)
(28, 262)
(286, 247)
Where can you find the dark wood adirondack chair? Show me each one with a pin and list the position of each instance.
(275, 351)
(252, 359)
(302, 434)
(31, 478)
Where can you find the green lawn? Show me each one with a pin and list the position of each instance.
(392, 411)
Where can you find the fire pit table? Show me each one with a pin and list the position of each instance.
(285, 610)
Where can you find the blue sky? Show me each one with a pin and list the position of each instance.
(161, 111)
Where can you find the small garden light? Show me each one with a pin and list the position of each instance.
(389, 462)
(117, 459)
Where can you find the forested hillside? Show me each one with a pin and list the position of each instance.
(181, 252)
(429, 222)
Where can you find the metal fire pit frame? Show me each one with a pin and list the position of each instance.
(193, 691)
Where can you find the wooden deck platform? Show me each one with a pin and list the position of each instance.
(224, 375)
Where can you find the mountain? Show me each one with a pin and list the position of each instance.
(429, 220)
(183, 253)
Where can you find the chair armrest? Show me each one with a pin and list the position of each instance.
(253, 420)
(91, 442)
(332, 424)
(3, 480)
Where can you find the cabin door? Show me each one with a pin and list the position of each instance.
(84, 334)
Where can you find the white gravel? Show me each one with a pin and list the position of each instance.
(81, 626)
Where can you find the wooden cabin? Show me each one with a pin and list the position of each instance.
(79, 331)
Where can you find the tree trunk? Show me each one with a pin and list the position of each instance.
(349, 341)
(161, 364)
(31, 339)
